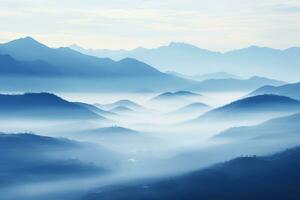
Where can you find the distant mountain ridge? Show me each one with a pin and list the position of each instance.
(282, 127)
(203, 77)
(169, 96)
(214, 85)
(61, 69)
(121, 103)
(192, 108)
(248, 61)
(73, 63)
(290, 90)
(252, 106)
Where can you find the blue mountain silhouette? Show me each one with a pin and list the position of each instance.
(262, 61)
(290, 90)
(193, 108)
(44, 106)
(71, 68)
(13, 67)
(253, 106)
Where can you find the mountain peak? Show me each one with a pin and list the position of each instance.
(182, 45)
(25, 42)
(76, 47)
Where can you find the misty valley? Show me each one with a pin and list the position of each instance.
(77, 126)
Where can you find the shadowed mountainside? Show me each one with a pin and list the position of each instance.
(29, 158)
(273, 177)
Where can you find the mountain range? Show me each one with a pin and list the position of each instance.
(64, 67)
(253, 60)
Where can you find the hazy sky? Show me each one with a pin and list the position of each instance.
(213, 24)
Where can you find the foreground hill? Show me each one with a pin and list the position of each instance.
(273, 177)
(282, 127)
(67, 68)
(27, 158)
(253, 107)
(42, 106)
(290, 90)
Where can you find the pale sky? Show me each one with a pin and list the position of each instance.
(125, 24)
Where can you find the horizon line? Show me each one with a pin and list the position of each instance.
(151, 48)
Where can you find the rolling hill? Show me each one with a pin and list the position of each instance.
(289, 90)
(42, 106)
(192, 108)
(168, 97)
(253, 107)
(282, 127)
(124, 102)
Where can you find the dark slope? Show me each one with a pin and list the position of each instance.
(273, 177)
(42, 106)
(289, 90)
